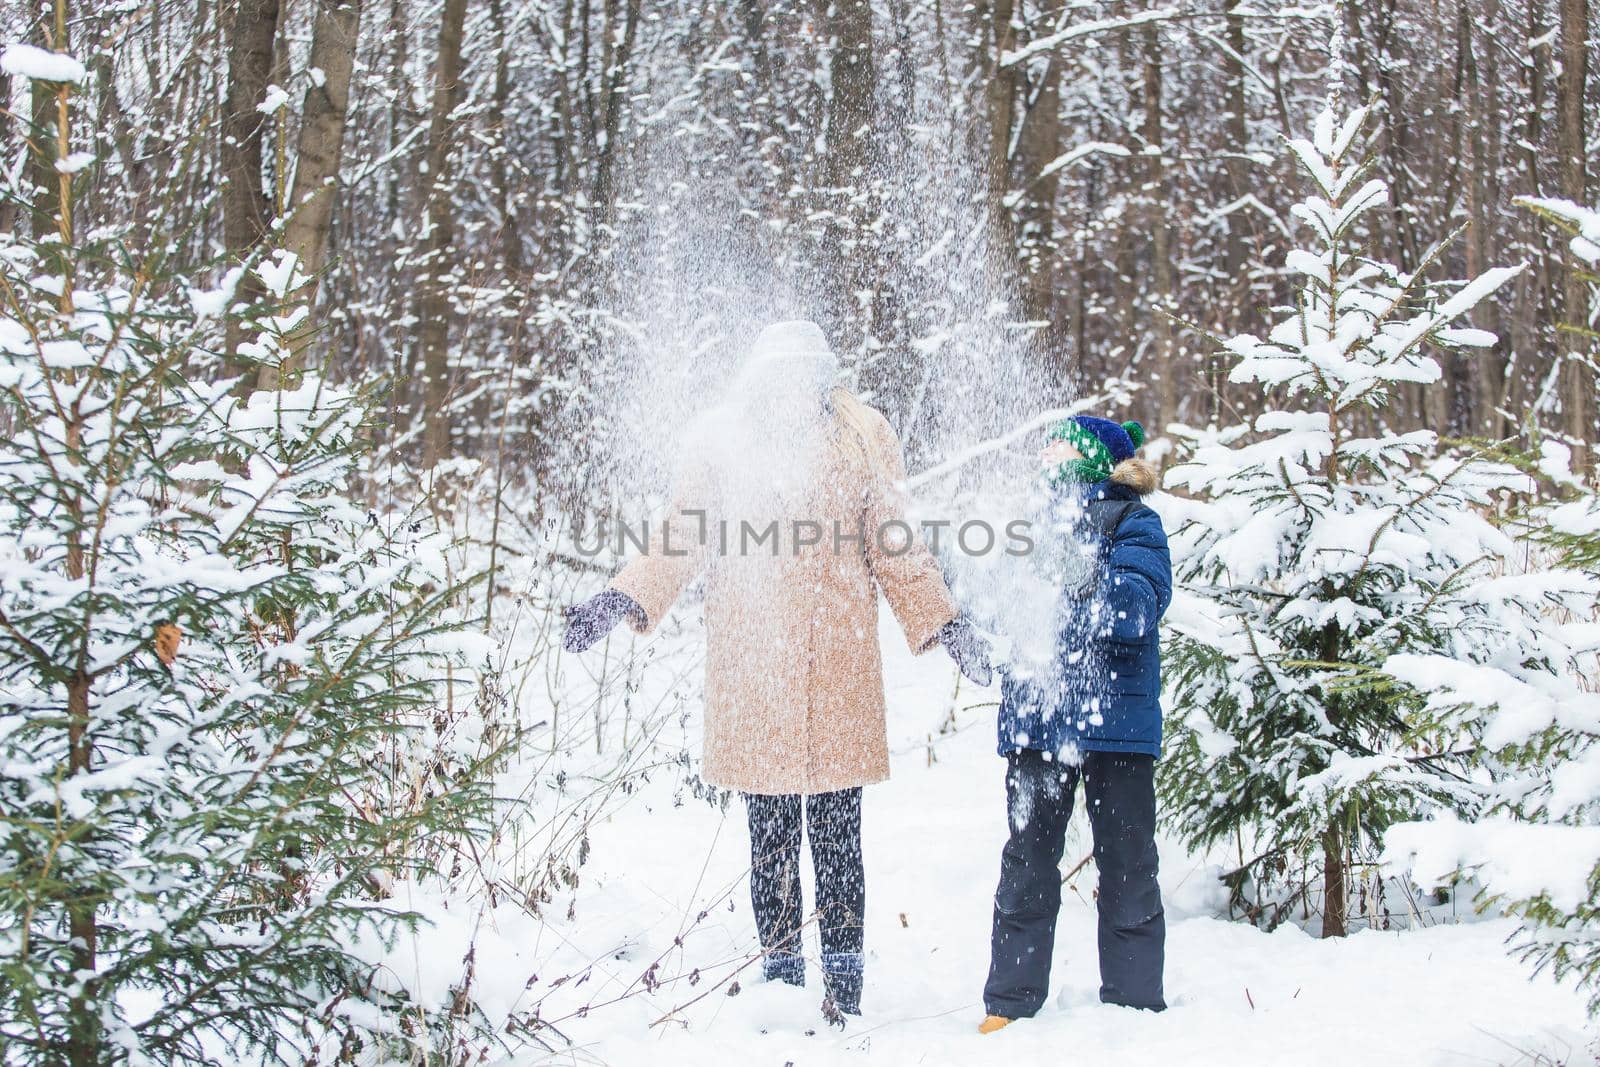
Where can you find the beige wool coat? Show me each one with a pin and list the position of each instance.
(794, 679)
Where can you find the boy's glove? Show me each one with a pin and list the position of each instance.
(591, 620)
(968, 648)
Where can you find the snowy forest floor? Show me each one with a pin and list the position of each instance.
(659, 857)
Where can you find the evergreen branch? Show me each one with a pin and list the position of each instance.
(40, 656)
(1438, 485)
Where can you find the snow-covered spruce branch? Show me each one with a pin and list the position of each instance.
(1536, 851)
(220, 780)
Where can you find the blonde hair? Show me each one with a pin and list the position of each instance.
(852, 430)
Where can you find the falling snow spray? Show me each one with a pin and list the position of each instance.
(695, 276)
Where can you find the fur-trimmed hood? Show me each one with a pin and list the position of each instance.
(1137, 474)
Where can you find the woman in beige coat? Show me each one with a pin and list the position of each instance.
(793, 508)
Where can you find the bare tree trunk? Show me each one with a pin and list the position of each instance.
(1235, 251)
(891, 324)
(403, 390)
(1236, 248)
(566, 118)
(754, 23)
(322, 127)
(853, 78)
(246, 211)
(1534, 67)
(1578, 380)
(320, 149)
(1079, 315)
(46, 199)
(1483, 111)
(1396, 131)
(1539, 309)
(616, 74)
(1162, 274)
(8, 207)
(505, 192)
(1334, 908)
(1001, 89)
(585, 102)
(905, 70)
(1445, 403)
(1040, 144)
(434, 307)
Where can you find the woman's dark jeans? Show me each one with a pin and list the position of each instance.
(1119, 789)
(834, 822)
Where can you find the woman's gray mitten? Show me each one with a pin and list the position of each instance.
(591, 620)
(968, 648)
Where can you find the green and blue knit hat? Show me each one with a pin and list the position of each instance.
(1103, 443)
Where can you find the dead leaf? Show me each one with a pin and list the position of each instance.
(168, 638)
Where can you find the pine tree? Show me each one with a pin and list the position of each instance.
(1537, 852)
(1321, 543)
(218, 673)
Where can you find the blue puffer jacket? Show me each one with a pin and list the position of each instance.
(1104, 693)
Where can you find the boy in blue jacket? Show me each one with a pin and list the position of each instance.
(1093, 714)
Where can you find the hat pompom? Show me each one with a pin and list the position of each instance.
(1135, 432)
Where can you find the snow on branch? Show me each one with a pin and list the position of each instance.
(1086, 29)
(36, 64)
(1052, 41)
(1516, 860)
(983, 448)
(1583, 222)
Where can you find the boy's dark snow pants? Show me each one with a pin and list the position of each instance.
(834, 822)
(1119, 789)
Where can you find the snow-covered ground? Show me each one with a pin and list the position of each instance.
(1444, 994)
